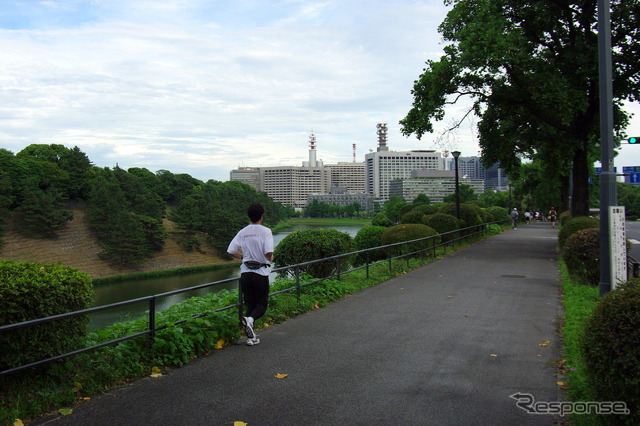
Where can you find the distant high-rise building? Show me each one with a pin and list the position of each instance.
(384, 166)
(495, 179)
(435, 184)
(292, 185)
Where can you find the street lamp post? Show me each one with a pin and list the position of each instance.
(456, 154)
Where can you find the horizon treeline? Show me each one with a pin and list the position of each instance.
(41, 184)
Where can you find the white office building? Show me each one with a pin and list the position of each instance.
(384, 166)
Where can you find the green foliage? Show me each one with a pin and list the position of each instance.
(311, 244)
(369, 237)
(421, 199)
(465, 192)
(629, 197)
(412, 217)
(469, 213)
(498, 213)
(564, 218)
(611, 351)
(219, 209)
(581, 254)
(41, 213)
(119, 231)
(381, 219)
(578, 302)
(400, 233)
(393, 208)
(493, 198)
(32, 290)
(574, 225)
(442, 223)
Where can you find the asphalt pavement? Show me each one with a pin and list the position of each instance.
(446, 344)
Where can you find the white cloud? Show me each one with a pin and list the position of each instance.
(201, 87)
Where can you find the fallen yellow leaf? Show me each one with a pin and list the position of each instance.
(18, 422)
(65, 411)
(77, 386)
(239, 424)
(542, 344)
(281, 376)
(219, 344)
(560, 383)
(85, 398)
(156, 370)
(494, 355)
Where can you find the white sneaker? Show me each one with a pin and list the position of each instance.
(252, 342)
(248, 327)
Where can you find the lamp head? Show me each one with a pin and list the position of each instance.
(455, 154)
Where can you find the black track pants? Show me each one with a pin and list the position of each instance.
(255, 291)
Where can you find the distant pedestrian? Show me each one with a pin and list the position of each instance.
(254, 245)
(553, 217)
(514, 218)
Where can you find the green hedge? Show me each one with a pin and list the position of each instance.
(611, 351)
(574, 225)
(400, 233)
(33, 290)
(311, 244)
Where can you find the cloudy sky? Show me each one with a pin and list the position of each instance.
(205, 86)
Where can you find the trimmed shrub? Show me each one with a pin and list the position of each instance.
(425, 209)
(442, 223)
(32, 290)
(563, 218)
(368, 237)
(581, 254)
(311, 244)
(400, 233)
(498, 213)
(468, 212)
(412, 217)
(381, 219)
(611, 351)
(574, 225)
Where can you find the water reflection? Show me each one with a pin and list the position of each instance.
(132, 289)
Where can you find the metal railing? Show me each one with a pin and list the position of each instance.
(431, 244)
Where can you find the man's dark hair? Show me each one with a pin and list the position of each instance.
(255, 212)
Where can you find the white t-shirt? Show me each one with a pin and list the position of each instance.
(255, 241)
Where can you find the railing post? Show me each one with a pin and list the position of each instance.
(152, 319)
(338, 267)
(367, 263)
(297, 274)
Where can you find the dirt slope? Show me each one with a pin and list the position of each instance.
(75, 246)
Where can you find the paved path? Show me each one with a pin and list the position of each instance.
(446, 344)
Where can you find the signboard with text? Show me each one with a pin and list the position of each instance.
(618, 245)
(632, 174)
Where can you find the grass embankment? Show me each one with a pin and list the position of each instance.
(579, 301)
(34, 392)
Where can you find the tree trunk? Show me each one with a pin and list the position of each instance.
(580, 193)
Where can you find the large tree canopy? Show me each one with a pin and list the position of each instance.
(531, 70)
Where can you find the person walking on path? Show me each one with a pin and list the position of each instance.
(514, 218)
(553, 217)
(254, 245)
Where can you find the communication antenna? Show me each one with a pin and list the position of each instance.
(354, 152)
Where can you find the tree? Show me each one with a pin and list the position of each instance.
(421, 199)
(119, 232)
(466, 194)
(393, 208)
(531, 71)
